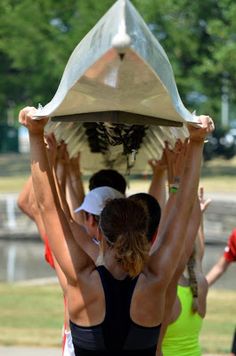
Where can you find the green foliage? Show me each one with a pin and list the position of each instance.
(37, 38)
(199, 38)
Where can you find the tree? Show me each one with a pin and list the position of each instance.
(37, 38)
(199, 38)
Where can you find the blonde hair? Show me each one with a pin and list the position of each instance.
(124, 225)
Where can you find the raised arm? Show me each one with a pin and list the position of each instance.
(168, 247)
(57, 228)
(23, 200)
(74, 186)
(217, 270)
(28, 204)
(61, 172)
(175, 164)
(158, 184)
(200, 242)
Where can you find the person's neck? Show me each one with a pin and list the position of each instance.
(110, 262)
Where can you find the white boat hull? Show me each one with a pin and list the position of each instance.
(118, 74)
(107, 72)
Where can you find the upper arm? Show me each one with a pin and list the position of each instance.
(70, 257)
(169, 245)
(84, 241)
(23, 200)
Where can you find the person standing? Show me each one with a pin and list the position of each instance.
(117, 308)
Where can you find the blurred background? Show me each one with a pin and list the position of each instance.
(36, 40)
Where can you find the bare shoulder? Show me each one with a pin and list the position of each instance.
(87, 299)
(88, 282)
(152, 301)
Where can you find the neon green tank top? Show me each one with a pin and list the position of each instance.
(182, 336)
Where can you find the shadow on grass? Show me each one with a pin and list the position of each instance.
(14, 165)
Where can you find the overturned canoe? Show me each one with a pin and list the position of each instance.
(118, 75)
(118, 66)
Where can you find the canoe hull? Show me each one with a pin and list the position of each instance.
(107, 73)
(118, 82)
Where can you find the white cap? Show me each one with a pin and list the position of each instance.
(97, 198)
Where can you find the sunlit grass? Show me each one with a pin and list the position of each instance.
(219, 324)
(33, 316)
(12, 184)
(218, 175)
(30, 315)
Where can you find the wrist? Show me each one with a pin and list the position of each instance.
(174, 186)
(173, 189)
(159, 172)
(75, 178)
(37, 133)
(199, 140)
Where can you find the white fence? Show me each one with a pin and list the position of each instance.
(12, 220)
(219, 219)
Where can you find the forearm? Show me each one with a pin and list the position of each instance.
(43, 182)
(77, 185)
(59, 174)
(187, 195)
(189, 182)
(73, 198)
(200, 243)
(157, 187)
(192, 230)
(214, 274)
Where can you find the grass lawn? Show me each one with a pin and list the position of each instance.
(218, 175)
(30, 315)
(33, 316)
(219, 324)
(14, 170)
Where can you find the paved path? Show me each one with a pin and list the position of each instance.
(21, 351)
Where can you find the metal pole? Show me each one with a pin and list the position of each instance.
(225, 101)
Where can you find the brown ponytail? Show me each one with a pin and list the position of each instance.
(124, 225)
(193, 282)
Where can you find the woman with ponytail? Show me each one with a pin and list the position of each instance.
(123, 223)
(116, 307)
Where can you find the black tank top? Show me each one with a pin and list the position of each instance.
(117, 335)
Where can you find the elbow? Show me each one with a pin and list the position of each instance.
(22, 204)
(47, 206)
